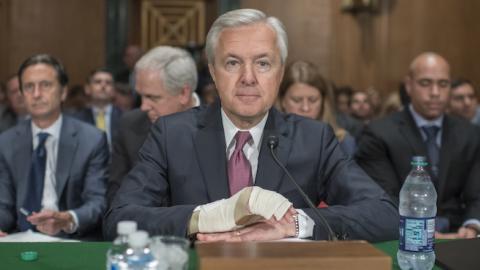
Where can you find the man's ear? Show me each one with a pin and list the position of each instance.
(64, 93)
(408, 84)
(212, 72)
(88, 90)
(186, 95)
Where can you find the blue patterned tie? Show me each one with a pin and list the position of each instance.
(36, 177)
(432, 148)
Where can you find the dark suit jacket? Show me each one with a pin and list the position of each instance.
(8, 118)
(183, 163)
(87, 115)
(132, 131)
(80, 177)
(387, 146)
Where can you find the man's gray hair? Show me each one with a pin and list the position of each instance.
(175, 67)
(242, 17)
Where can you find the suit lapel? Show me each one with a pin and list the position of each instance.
(412, 135)
(115, 118)
(210, 148)
(269, 174)
(90, 116)
(23, 158)
(67, 147)
(447, 142)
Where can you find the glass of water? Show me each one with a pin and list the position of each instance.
(171, 252)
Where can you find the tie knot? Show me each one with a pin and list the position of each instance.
(241, 138)
(42, 137)
(431, 131)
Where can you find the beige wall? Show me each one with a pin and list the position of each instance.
(71, 30)
(375, 50)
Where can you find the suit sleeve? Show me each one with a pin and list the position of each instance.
(144, 195)
(372, 157)
(471, 191)
(7, 197)
(93, 194)
(358, 207)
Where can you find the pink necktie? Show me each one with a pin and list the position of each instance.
(239, 170)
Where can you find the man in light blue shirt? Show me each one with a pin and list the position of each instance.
(451, 145)
(52, 167)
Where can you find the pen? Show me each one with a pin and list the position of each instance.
(25, 212)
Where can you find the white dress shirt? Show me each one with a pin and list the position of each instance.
(50, 196)
(422, 122)
(251, 151)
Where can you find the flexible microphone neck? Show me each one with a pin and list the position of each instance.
(272, 142)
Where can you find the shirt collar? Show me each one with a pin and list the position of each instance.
(421, 121)
(196, 99)
(230, 129)
(53, 130)
(107, 109)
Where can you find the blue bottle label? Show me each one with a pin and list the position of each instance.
(417, 234)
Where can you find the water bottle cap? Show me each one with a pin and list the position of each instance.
(126, 227)
(419, 161)
(138, 239)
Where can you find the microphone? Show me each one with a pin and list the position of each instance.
(272, 142)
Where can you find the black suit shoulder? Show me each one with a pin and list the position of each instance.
(133, 119)
(189, 117)
(84, 114)
(463, 126)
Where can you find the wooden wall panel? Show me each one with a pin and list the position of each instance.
(362, 50)
(3, 38)
(308, 24)
(73, 31)
(375, 50)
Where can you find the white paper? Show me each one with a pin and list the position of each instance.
(30, 236)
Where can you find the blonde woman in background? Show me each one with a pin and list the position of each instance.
(304, 92)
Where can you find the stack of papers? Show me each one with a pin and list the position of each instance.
(30, 236)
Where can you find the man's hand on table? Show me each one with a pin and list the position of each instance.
(51, 222)
(271, 229)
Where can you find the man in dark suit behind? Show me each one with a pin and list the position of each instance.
(101, 112)
(387, 146)
(165, 79)
(52, 167)
(15, 110)
(182, 165)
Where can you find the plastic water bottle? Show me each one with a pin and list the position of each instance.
(138, 256)
(116, 254)
(418, 207)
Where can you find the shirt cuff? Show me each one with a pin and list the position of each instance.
(473, 221)
(73, 226)
(305, 225)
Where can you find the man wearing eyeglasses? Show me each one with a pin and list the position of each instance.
(52, 167)
(451, 145)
